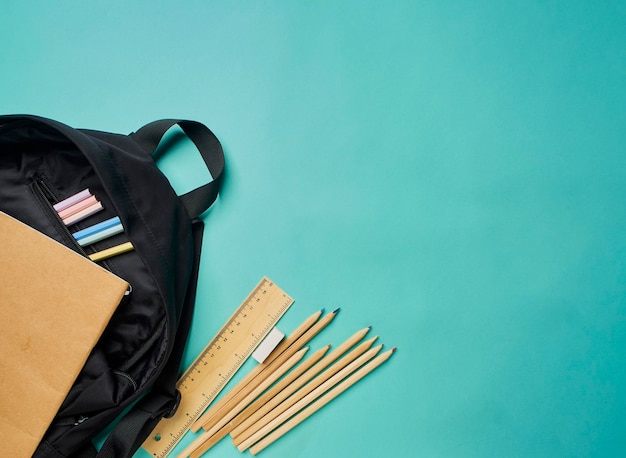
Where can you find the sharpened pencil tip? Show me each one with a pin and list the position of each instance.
(322, 310)
(369, 327)
(336, 310)
(393, 350)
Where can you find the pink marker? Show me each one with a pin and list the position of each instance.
(69, 211)
(72, 200)
(76, 217)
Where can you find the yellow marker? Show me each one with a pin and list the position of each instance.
(113, 251)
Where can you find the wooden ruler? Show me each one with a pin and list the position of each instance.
(219, 361)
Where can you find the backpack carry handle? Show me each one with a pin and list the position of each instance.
(198, 200)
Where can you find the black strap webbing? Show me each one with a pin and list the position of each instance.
(200, 199)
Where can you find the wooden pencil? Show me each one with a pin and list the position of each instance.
(284, 345)
(281, 385)
(264, 426)
(321, 402)
(283, 388)
(293, 337)
(226, 429)
(271, 379)
(263, 374)
(241, 425)
(205, 446)
(255, 393)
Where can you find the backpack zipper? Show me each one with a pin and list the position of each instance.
(47, 198)
(46, 191)
(71, 421)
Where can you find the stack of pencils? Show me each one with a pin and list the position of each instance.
(279, 394)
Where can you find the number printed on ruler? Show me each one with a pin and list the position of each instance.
(218, 362)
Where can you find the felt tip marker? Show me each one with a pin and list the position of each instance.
(97, 228)
(81, 215)
(71, 200)
(73, 209)
(101, 235)
(110, 252)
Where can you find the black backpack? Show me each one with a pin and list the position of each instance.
(137, 358)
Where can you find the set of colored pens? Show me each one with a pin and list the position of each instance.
(267, 403)
(82, 205)
(78, 207)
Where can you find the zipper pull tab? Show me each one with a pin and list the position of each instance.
(80, 420)
(46, 191)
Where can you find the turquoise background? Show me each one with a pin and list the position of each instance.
(452, 173)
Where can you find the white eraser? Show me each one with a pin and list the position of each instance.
(269, 343)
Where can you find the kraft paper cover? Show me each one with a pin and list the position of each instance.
(54, 305)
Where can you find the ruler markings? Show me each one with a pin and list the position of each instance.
(238, 338)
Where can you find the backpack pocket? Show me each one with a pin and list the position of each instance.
(134, 343)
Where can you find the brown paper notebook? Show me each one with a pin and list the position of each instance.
(54, 305)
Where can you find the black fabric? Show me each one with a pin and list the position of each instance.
(133, 429)
(42, 162)
(198, 200)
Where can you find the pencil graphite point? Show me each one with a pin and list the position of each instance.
(336, 310)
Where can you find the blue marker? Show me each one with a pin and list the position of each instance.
(101, 235)
(97, 228)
